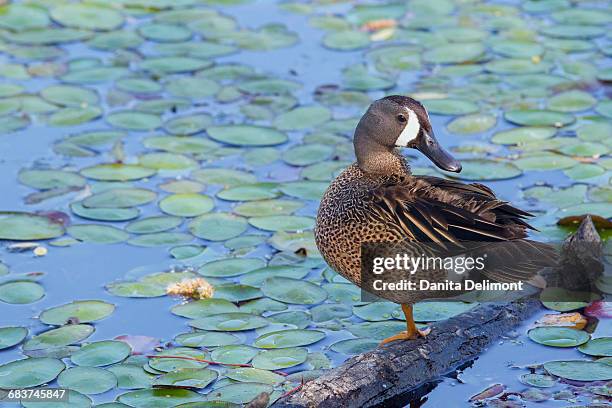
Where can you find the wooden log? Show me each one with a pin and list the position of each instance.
(387, 375)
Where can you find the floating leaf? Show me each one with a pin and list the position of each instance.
(120, 198)
(303, 117)
(117, 172)
(240, 393)
(153, 224)
(84, 311)
(87, 380)
(282, 223)
(134, 120)
(21, 226)
(288, 338)
(558, 336)
(600, 347)
(29, 372)
(62, 336)
(580, 370)
(279, 359)
(98, 234)
(483, 169)
(206, 339)
(234, 354)
(88, 16)
(203, 308)
(230, 267)
(21, 292)
(354, 346)
(158, 397)
(245, 135)
(101, 353)
(11, 336)
(187, 377)
(229, 322)
(218, 226)
(295, 291)
(186, 205)
(536, 117)
(254, 375)
(538, 380)
(473, 123)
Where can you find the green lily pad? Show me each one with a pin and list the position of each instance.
(218, 226)
(240, 393)
(377, 330)
(104, 214)
(376, 311)
(186, 205)
(193, 87)
(98, 234)
(538, 380)
(454, 54)
(330, 311)
(236, 292)
(62, 336)
(134, 120)
(161, 32)
(30, 372)
(187, 378)
(203, 308)
(230, 267)
(346, 40)
(21, 292)
(188, 125)
(69, 95)
(600, 347)
(22, 17)
(21, 226)
(246, 135)
(153, 224)
(584, 171)
(558, 336)
(305, 154)
(87, 16)
(50, 179)
(233, 354)
(74, 116)
(167, 161)
(563, 300)
(264, 208)
(11, 336)
(535, 117)
(117, 172)
(523, 134)
(206, 339)
(571, 101)
(288, 338)
(87, 380)
(158, 397)
(47, 36)
(225, 177)
(258, 277)
(294, 291)
(85, 311)
(450, 106)
(544, 161)
(101, 353)
(229, 322)
(131, 376)
(282, 223)
(249, 192)
(174, 65)
(483, 169)
(120, 198)
(580, 370)
(254, 375)
(165, 365)
(303, 117)
(278, 359)
(601, 209)
(296, 318)
(473, 123)
(136, 289)
(354, 346)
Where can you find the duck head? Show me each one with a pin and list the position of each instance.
(398, 121)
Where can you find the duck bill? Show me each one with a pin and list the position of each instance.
(429, 146)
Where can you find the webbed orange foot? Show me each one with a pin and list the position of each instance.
(405, 335)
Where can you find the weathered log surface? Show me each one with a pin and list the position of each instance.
(378, 377)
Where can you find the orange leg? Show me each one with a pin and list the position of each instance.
(411, 333)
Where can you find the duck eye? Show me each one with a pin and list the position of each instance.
(401, 118)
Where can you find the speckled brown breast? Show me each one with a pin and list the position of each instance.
(346, 219)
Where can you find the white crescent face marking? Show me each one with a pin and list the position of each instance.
(411, 130)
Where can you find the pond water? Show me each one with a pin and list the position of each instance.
(481, 68)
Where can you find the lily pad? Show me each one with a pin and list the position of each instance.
(600, 347)
(98, 234)
(130, 376)
(187, 378)
(30, 372)
(523, 134)
(87, 16)
(153, 224)
(159, 397)
(233, 354)
(279, 359)
(246, 135)
(450, 106)
(240, 393)
(120, 198)
(538, 380)
(117, 172)
(282, 223)
(218, 226)
(188, 125)
(134, 120)
(473, 123)
(69, 95)
(136, 289)
(558, 336)
(346, 40)
(580, 370)
(21, 226)
(11, 336)
(87, 380)
(288, 338)
(101, 353)
(303, 117)
(230, 267)
(84, 311)
(186, 205)
(229, 322)
(535, 117)
(203, 308)
(21, 292)
(254, 375)
(264, 208)
(571, 101)
(62, 336)
(483, 169)
(354, 346)
(294, 291)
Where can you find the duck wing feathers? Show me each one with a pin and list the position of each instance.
(447, 212)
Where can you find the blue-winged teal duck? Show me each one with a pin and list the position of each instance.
(377, 199)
